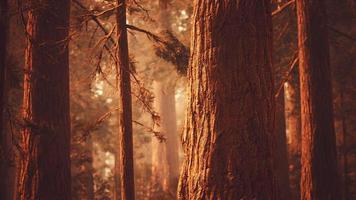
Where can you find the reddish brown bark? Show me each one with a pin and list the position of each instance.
(4, 158)
(124, 164)
(45, 140)
(319, 168)
(230, 116)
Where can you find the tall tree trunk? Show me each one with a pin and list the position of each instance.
(169, 124)
(165, 154)
(293, 131)
(279, 145)
(124, 164)
(45, 140)
(319, 168)
(166, 109)
(229, 122)
(4, 156)
(159, 154)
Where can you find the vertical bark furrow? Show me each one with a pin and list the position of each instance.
(319, 169)
(45, 140)
(229, 121)
(124, 163)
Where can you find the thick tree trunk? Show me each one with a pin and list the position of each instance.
(230, 116)
(319, 168)
(294, 138)
(279, 145)
(4, 146)
(124, 164)
(45, 140)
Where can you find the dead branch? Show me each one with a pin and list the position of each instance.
(287, 77)
(283, 7)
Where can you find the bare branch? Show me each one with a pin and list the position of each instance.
(280, 9)
(287, 77)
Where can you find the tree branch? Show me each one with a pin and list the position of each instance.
(286, 78)
(280, 9)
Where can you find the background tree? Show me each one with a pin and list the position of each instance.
(165, 158)
(45, 162)
(229, 121)
(319, 167)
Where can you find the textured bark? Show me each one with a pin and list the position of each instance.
(294, 137)
(279, 146)
(45, 140)
(4, 154)
(124, 164)
(230, 116)
(319, 167)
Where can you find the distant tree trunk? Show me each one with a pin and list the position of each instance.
(124, 165)
(166, 108)
(169, 123)
(4, 157)
(165, 154)
(279, 146)
(319, 165)
(159, 154)
(45, 140)
(229, 122)
(294, 137)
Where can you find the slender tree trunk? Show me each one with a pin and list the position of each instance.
(319, 165)
(279, 146)
(294, 137)
(230, 116)
(124, 164)
(165, 154)
(166, 109)
(4, 156)
(45, 140)
(170, 128)
(159, 151)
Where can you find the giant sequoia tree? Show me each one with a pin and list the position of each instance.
(319, 169)
(230, 114)
(45, 140)
(124, 164)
